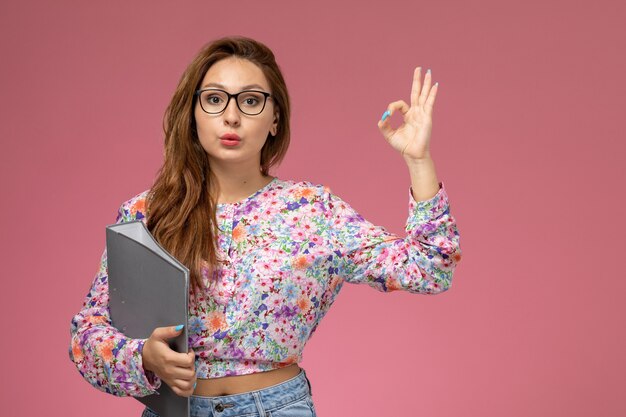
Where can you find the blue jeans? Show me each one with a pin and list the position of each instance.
(291, 398)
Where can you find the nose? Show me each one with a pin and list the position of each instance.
(231, 114)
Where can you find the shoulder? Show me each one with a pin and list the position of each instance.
(134, 208)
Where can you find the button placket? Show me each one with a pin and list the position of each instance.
(225, 221)
(232, 249)
(226, 287)
(223, 291)
(228, 282)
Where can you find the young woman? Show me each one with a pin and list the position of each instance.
(267, 256)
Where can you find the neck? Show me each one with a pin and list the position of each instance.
(237, 182)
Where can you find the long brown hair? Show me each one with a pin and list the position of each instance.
(182, 203)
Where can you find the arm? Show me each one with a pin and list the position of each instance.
(107, 359)
(424, 261)
(421, 262)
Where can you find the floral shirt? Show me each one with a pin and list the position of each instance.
(287, 251)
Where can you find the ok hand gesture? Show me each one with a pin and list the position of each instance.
(412, 138)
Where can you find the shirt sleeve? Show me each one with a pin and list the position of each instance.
(104, 356)
(422, 262)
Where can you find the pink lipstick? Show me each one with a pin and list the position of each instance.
(230, 139)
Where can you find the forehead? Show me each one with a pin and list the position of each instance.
(234, 73)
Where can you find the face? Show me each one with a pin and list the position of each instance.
(234, 75)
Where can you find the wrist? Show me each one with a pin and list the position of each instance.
(417, 162)
(144, 358)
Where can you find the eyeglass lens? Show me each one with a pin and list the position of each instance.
(214, 101)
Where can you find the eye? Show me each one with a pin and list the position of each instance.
(251, 99)
(213, 99)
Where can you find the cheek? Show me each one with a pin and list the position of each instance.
(265, 126)
(203, 124)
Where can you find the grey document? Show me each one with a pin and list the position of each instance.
(148, 288)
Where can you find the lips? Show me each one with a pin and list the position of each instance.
(230, 136)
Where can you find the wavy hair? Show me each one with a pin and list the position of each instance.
(182, 203)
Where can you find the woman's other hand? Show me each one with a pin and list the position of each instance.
(176, 369)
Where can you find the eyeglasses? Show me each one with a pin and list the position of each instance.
(214, 101)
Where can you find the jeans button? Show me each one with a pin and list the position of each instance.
(219, 408)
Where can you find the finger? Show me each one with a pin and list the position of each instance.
(191, 358)
(399, 105)
(385, 125)
(183, 384)
(173, 373)
(426, 88)
(180, 358)
(430, 102)
(173, 358)
(182, 388)
(184, 374)
(165, 333)
(417, 85)
(186, 360)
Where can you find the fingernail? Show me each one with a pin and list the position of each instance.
(437, 84)
(179, 327)
(428, 70)
(385, 115)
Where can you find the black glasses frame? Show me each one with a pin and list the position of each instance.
(266, 95)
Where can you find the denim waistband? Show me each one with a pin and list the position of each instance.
(253, 402)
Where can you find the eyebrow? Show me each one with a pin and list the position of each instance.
(245, 87)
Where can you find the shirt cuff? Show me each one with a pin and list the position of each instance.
(148, 378)
(423, 211)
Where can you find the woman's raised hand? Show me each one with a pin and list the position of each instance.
(412, 138)
(176, 369)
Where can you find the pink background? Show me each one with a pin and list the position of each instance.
(528, 137)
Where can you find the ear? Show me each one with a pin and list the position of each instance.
(274, 127)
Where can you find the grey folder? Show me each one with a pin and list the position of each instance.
(148, 288)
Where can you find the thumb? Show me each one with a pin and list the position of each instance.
(386, 129)
(169, 332)
(384, 124)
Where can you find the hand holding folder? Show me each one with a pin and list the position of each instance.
(175, 369)
(148, 288)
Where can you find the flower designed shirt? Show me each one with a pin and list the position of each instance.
(287, 251)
